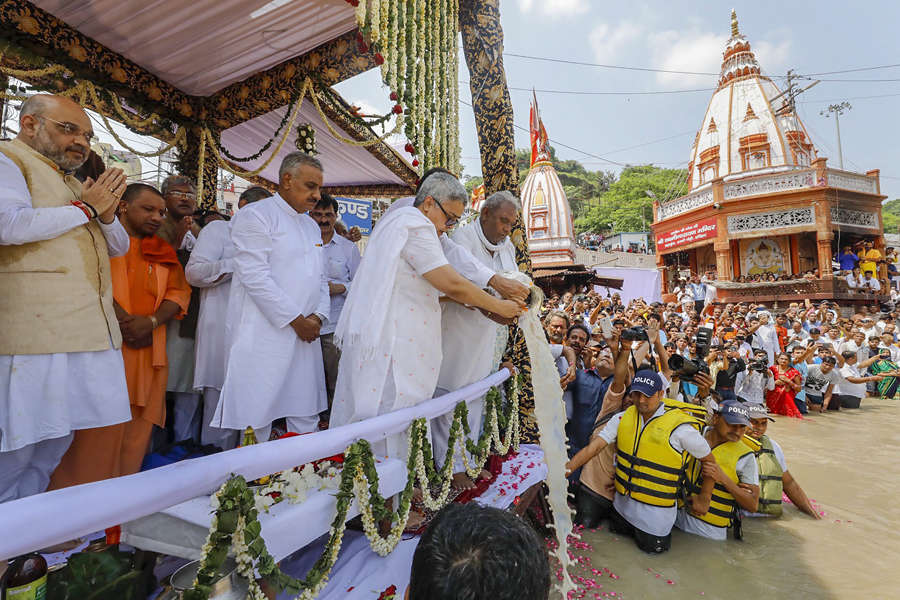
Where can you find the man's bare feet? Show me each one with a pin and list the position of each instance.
(414, 523)
(461, 481)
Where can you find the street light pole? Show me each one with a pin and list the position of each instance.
(837, 110)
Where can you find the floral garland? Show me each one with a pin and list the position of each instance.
(271, 140)
(306, 139)
(235, 523)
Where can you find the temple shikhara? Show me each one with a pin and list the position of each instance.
(548, 216)
(760, 199)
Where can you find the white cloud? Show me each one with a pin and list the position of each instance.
(607, 42)
(695, 51)
(772, 56)
(554, 8)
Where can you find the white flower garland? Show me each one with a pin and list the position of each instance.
(294, 485)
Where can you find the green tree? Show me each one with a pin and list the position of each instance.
(890, 215)
(626, 206)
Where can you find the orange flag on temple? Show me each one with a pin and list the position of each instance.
(537, 133)
(534, 127)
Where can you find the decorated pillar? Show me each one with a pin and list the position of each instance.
(197, 161)
(723, 260)
(824, 232)
(482, 37)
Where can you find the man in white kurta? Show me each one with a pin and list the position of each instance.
(767, 337)
(279, 300)
(390, 327)
(60, 365)
(472, 344)
(209, 269)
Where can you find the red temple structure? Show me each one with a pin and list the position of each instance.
(760, 200)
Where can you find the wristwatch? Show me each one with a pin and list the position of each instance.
(155, 321)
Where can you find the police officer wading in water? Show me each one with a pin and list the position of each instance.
(651, 444)
(734, 472)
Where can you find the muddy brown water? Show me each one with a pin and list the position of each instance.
(847, 462)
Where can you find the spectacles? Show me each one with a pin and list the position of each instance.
(451, 221)
(71, 129)
(184, 195)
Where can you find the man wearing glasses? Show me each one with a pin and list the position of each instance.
(181, 232)
(60, 365)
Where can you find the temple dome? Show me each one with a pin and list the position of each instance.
(749, 126)
(548, 217)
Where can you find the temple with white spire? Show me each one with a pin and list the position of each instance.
(761, 202)
(545, 208)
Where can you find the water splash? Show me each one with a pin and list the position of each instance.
(550, 413)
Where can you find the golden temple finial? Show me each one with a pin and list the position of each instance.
(734, 24)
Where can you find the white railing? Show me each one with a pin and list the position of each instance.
(770, 184)
(684, 204)
(855, 182)
(52, 517)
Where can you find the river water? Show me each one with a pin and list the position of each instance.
(847, 462)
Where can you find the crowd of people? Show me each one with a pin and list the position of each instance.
(128, 327)
(705, 378)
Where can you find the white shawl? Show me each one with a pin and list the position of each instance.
(368, 303)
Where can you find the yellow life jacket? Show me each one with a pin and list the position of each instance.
(695, 410)
(770, 482)
(648, 468)
(722, 505)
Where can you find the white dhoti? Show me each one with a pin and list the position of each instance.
(390, 327)
(472, 344)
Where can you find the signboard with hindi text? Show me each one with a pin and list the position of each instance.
(695, 232)
(356, 213)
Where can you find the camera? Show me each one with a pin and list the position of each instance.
(704, 337)
(685, 368)
(760, 365)
(634, 334)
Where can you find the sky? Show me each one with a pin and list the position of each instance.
(658, 128)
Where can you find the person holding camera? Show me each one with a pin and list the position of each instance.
(726, 376)
(758, 379)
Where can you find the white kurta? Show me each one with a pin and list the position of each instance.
(469, 340)
(405, 371)
(209, 269)
(278, 276)
(46, 396)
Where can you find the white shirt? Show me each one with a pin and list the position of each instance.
(210, 268)
(852, 280)
(754, 386)
(851, 345)
(768, 340)
(341, 261)
(278, 276)
(871, 284)
(846, 388)
(75, 390)
(470, 340)
(655, 520)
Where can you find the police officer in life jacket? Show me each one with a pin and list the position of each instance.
(774, 476)
(735, 464)
(652, 446)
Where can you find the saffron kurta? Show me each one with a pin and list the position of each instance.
(278, 276)
(140, 287)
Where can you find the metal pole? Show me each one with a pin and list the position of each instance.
(837, 124)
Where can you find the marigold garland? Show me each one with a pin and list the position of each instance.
(235, 524)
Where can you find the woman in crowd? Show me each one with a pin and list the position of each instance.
(787, 383)
(887, 387)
